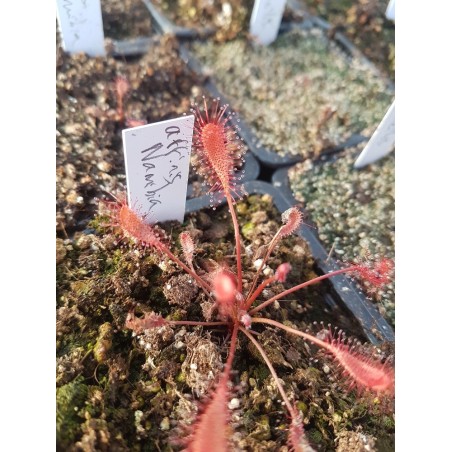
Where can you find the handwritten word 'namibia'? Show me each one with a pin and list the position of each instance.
(161, 164)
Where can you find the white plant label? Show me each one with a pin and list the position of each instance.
(266, 19)
(80, 23)
(157, 158)
(390, 10)
(381, 142)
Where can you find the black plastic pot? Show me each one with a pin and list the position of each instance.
(375, 328)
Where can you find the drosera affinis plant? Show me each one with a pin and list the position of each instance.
(237, 302)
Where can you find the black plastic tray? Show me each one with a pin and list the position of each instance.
(375, 328)
(131, 47)
(164, 25)
(265, 155)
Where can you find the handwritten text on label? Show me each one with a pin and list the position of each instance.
(81, 28)
(157, 164)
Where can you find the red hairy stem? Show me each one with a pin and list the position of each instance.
(237, 241)
(301, 286)
(304, 335)
(297, 437)
(280, 275)
(261, 266)
(153, 320)
(177, 261)
(258, 291)
(364, 371)
(289, 407)
(292, 219)
(193, 323)
(232, 348)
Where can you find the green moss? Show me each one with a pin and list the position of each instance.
(113, 263)
(241, 208)
(177, 315)
(70, 399)
(388, 422)
(181, 377)
(315, 436)
(98, 224)
(260, 372)
(262, 431)
(247, 230)
(301, 406)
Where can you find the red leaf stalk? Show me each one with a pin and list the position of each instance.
(292, 219)
(289, 406)
(377, 274)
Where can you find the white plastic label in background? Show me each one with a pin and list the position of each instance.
(157, 158)
(390, 10)
(266, 19)
(81, 28)
(381, 142)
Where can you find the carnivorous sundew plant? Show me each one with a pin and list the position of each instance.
(239, 304)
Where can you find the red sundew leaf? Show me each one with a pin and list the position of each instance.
(292, 219)
(150, 320)
(135, 227)
(131, 122)
(282, 271)
(224, 285)
(363, 371)
(211, 430)
(188, 247)
(377, 273)
(217, 147)
(122, 86)
(132, 225)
